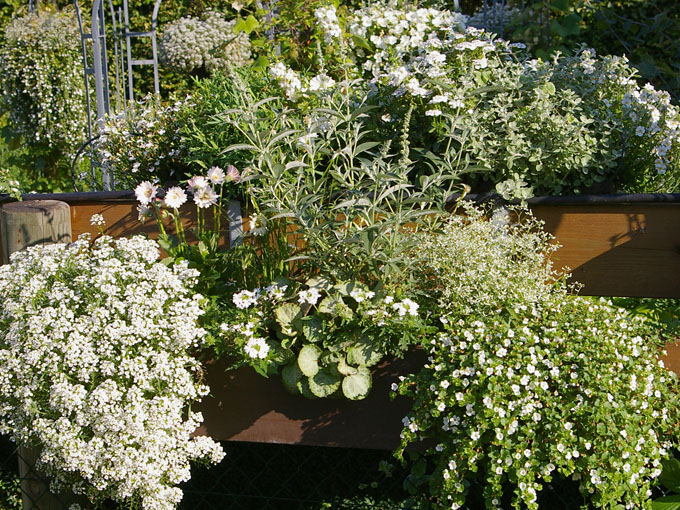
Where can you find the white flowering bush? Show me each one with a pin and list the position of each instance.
(144, 143)
(42, 80)
(476, 102)
(96, 368)
(190, 43)
(525, 383)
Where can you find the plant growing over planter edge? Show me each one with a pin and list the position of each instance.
(96, 368)
(525, 382)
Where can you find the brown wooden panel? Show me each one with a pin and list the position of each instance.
(244, 406)
(618, 250)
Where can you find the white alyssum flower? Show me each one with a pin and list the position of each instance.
(96, 368)
(97, 220)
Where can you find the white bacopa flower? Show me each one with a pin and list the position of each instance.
(175, 197)
(145, 192)
(205, 197)
(310, 296)
(257, 348)
(216, 175)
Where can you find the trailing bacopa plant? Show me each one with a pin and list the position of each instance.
(96, 368)
(42, 80)
(190, 43)
(525, 383)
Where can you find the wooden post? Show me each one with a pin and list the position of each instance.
(26, 224)
(32, 223)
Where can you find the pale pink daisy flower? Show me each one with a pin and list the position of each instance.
(146, 192)
(233, 173)
(197, 182)
(216, 175)
(175, 197)
(205, 197)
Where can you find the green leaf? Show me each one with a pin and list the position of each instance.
(357, 386)
(319, 282)
(330, 305)
(346, 288)
(286, 314)
(560, 5)
(240, 26)
(325, 383)
(364, 353)
(303, 388)
(312, 328)
(280, 354)
(361, 42)
(346, 369)
(670, 474)
(667, 503)
(251, 23)
(291, 375)
(308, 360)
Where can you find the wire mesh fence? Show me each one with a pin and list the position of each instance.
(256, 476)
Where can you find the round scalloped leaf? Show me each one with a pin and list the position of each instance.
(346, 288)
(363, 353)
(308, 360)
(280, 354)
(312, 328)
(303, 388)
(319, 282)
(325, 383)
(346, 369)
(330, 305)
(357, 386)
(291, 375)
(286, 314)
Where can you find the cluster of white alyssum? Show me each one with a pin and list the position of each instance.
(95, 368)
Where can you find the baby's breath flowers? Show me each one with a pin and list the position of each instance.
(96, 368)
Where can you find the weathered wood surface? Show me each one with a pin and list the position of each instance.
(33, 223)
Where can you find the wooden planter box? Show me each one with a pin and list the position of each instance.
(615, 245)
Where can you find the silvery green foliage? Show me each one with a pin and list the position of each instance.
(42, 80)
(525, 382)
(537, 127)
(190, 43)
(478, 265)
(96, 368)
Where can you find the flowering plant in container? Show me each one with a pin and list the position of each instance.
(97, 369)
